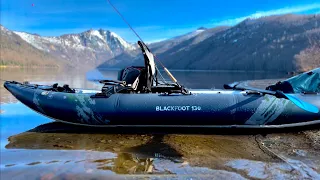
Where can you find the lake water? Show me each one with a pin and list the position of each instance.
(32, 147)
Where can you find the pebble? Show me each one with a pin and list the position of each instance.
(116, 149)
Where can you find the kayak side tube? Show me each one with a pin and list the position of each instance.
(200, 108)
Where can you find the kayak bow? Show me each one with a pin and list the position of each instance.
(279, 94)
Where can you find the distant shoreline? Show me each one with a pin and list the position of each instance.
(224, 71)
(5, 66)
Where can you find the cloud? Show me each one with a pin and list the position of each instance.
(258, 14)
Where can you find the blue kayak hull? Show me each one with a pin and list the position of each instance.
(202, 108)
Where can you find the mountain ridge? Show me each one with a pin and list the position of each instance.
(88, 49)
(136, 58)
(14, 51)
(285, 43)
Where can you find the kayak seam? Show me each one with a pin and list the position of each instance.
(117, 104)
(204, 126)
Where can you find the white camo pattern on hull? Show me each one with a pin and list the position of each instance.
(269, 110)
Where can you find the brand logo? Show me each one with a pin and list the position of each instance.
(178, 108)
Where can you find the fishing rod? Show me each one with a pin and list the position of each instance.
(164, 68)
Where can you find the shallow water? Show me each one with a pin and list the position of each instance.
(32, 147)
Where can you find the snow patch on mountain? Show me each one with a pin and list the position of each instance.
(76, 39)
(5, 30)
(199, 31)
(89, 48)
(122, 41)
(31, 39)
(97, 34)
(96, 40)
(188, 35)
(195, 33)
(52, 40)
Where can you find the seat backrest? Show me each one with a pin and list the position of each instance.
(131, 75)
(150, 66)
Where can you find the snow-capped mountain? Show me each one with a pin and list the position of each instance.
(88, 48)
(162, 46)
(190, 34)
(282, 43)
(4, 31)
(168, 46)
(14, 51)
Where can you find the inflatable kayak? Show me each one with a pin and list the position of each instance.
(137, 98)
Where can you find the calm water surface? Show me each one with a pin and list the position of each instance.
(82, 155)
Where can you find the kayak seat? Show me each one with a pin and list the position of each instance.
(131, 75)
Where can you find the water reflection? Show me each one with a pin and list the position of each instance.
(126, 163)
(155, 156)
(176, 148)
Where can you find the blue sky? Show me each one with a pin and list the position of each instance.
(153, 19)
